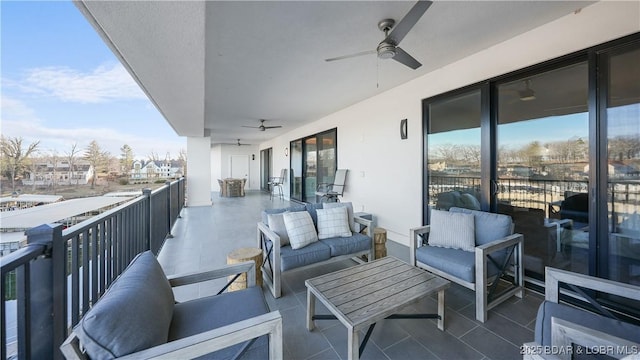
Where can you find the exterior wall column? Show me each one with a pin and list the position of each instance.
(198, 171)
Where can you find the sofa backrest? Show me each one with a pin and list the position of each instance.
(488, 226)
(266, 212)
(134, 314)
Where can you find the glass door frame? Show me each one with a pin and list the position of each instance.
(302, 140)
(596, 58)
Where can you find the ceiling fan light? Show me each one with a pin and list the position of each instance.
(527, 95)
(386, 50)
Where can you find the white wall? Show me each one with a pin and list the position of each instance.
(221, 164)
(385, 173)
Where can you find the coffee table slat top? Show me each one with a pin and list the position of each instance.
(370, 292)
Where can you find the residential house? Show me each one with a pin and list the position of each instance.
(153, 169)
(46, 173)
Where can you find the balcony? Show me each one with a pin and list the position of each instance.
(202, 237)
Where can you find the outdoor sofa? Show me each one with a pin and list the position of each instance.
(280, 255)
(138, 318)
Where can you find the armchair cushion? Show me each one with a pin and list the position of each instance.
(333, 223)
(195, 317)
(453, 230)
(134, 314)
(300, 229)
(276, 223)
(460, 264)
(488, 226)
(349, 206)
(549, 309)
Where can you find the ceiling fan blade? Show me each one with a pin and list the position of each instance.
(272, 127)
(408, 21)
(251, 127)
(369, 52)
(404, 58)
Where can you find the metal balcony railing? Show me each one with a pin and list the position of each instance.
(62, 272)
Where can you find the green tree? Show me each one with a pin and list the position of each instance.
(15, 156)
(126, 158)
(96, 158)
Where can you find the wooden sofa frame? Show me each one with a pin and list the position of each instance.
(564, 333)
(273, 276)
(212, 340)
(482, 280)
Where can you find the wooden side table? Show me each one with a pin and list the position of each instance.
(242, 255)
(380, 242)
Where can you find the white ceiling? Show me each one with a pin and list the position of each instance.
(212, 67)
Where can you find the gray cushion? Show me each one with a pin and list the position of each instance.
(134, 314)
(276, 224)
(311, 208)
(208, 313)
(281, 210)
(348, 245)
(489, 226)
(458, 263)
(549, 309)
(310, 254)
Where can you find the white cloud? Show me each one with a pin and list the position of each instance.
(18, 120)
(105, 83)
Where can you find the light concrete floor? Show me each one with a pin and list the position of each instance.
(203, 236)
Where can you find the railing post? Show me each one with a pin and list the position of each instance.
(45, 319)
(147, 193)
(168, 184)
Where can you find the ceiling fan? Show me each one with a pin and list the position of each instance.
(238, 143)
(388, 48)
(262, 127)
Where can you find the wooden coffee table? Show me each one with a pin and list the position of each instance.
(364, 294)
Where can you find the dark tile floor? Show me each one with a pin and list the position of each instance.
(204, 235)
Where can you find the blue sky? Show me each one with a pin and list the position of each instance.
(61, 84)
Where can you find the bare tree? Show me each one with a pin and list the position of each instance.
(96, 158)
(71, 155)
(126, 158)
(15, 156)
(154, 158)
(182, 158)
(54, 160)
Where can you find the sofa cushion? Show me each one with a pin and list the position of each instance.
(134, 314)
(458, 263)
(349, 206)
(276, 224)
(488, 226)
(294, 208)
(549, 309)
(208, 313)
(333, 223)
(300, 229)
(453, 230)
(310, 254)
(311, 209)
(348, 245)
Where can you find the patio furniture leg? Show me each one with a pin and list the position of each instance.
(353, 344)
(311, 309)
(441, 309)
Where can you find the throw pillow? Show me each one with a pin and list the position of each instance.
(452, 230)
(349, 206)
(333, 223)
(276, 224)
(300, 228)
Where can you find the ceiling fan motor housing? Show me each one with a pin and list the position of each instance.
(386, 50)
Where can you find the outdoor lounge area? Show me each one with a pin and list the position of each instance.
(203, 236)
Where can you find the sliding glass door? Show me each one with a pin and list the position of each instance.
(543, 165)
(313, 161)
(266, 168)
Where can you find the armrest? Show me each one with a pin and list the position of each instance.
(414, 241)
(555, 276)
(500, 244)
(220, 338)
(191, 278)
(366, 223)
